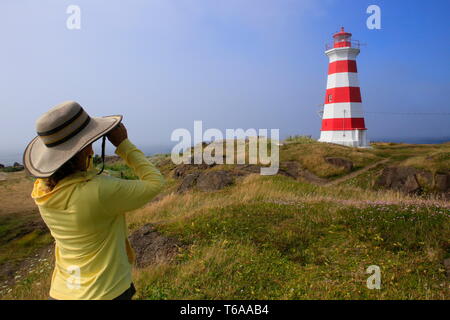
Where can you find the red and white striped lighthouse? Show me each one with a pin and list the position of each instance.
(343, 119)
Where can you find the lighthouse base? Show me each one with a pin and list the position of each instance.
(349, 138)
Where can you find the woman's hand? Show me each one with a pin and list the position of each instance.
(117, 135)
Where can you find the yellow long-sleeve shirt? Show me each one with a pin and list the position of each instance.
(85, 215)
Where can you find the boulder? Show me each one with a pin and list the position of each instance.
(248, 168)
(2, 166)
(405, 179)
(290, 169)
(181, 170)
(411, 184)
(151, 247)
(16, 167)
(442, 182)
(340, 162)
(214, 180)
(188, 182)
(447, 266)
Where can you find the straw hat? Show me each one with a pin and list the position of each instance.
(62, 132)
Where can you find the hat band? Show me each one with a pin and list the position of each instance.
(72, 134)
(62, 126)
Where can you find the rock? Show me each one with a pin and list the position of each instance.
(411, 185)
(442, 182)
(248, 168)
(425, 178)
(15, 167)
(214, 180)
(290, 169)
(340, 162)
(182, 170)
(447, 267)
(1, 166)
(404, 179)
(188, 182)
(151, 247)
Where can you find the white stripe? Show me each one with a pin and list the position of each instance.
(343, 110)
(339, 54)
(351, 138)
(342, 79)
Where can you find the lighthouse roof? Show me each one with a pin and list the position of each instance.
(342, 33)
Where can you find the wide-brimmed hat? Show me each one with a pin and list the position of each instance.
(62, 132)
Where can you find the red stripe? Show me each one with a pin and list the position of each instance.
(342, 66)
(342, 44)
(343, 124)
(343, 94)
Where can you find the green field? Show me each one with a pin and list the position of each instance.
(275, 237)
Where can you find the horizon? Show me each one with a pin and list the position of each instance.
(8, 158)
(231, 64)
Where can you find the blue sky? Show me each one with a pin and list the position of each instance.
(231, 63)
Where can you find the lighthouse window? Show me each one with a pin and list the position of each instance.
(330, 97)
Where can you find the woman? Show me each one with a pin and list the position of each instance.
(84, 210)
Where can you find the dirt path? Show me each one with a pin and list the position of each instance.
(354, 174)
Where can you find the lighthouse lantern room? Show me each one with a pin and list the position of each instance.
(343, 118)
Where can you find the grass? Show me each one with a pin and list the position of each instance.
(274, 238)
(18, 241)
(311, 155)
(314, 251)
(432, 157)
(271, 237)
(120, 170)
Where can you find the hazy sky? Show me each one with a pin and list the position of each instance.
(231, 63)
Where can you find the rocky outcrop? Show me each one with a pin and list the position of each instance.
(290, 169)
(188, 182)
(151, 247)
(442, 182)
(412, 180)
(183, 170)
(340, 162)
(207, 180)
(447, 267)
(295, 171)
(214, 180)
(15, 167)
(244, 169)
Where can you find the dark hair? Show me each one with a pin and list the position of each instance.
(70, 167)
(65, 170)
